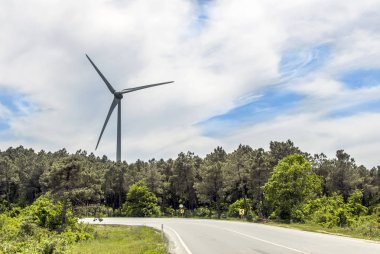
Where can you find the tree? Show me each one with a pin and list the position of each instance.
(8, 179)
(291, 184)
(153, 179)
(237, 174)
(258, 177)
(114, 186)
(30, 168)
(374, 182)
(322, 166)
(210, 188)
(183, 179)
(140, 201)
(279, 150)
(168, 190)
(71, 180)
(344, 177)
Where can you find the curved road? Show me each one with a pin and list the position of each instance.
(191, 236)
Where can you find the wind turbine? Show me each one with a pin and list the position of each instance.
(118, 95)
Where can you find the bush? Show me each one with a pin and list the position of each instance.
(95, 210)
(168, 211)
(34, 229)
(333, 211)
(367, 226)
(140, 201)
(202, 212)
(233, 209)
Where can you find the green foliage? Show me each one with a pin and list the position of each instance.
(33, 229)
(354, 204)
(4, 205)
(210, 190)
(326, 211)
(367, 226)
(140, 201)
(47, 213)
(168, 211)
(280, 150)
(94, 211)
(291, 184)
(122, 239)
(114, 187)
(233, 209)
(8, 179)
(203, 212)
(96, 186)
(333, 211)
(71, 178)
(182, 180)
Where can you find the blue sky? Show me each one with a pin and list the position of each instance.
(14, 104)
(360, 78)
(245, 72)
(278, 100)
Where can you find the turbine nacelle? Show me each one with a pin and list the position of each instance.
(118, 95)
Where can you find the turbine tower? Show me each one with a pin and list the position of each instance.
(118, 95)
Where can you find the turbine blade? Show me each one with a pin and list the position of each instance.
(113, 105)
(129, 90)
(101, 75)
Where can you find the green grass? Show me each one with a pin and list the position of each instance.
(342, 231)
(122, 239)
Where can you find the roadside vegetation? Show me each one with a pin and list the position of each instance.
(283, 184)
(295, 194)
(122, 240)
(356, 232)
(38, 228)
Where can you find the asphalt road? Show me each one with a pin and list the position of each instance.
(191, 236)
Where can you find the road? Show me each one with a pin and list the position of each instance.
(193, 236)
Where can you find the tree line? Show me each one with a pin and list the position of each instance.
(208, 185)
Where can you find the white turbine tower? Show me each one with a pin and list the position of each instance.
(118, 95)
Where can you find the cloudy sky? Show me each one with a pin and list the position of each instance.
(245, 72)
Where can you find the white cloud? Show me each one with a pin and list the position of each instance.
(215, 65)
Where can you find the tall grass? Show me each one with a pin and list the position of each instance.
(122, 240)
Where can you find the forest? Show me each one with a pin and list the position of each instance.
(283, 183)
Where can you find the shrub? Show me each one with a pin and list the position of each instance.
(333, 211)
(34, 229)
(203, 212)
(233, 209)
(48, 213)
(140, 201)
(367, 226)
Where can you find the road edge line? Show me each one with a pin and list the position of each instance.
(180, 240)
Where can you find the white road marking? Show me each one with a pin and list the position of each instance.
(259, 239)
(180, 240)
(265, 241)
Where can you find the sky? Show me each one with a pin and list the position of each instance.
(245, 72)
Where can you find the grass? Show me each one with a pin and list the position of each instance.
(341, 231)
(122, 240)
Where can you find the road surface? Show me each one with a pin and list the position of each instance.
(192, 236)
